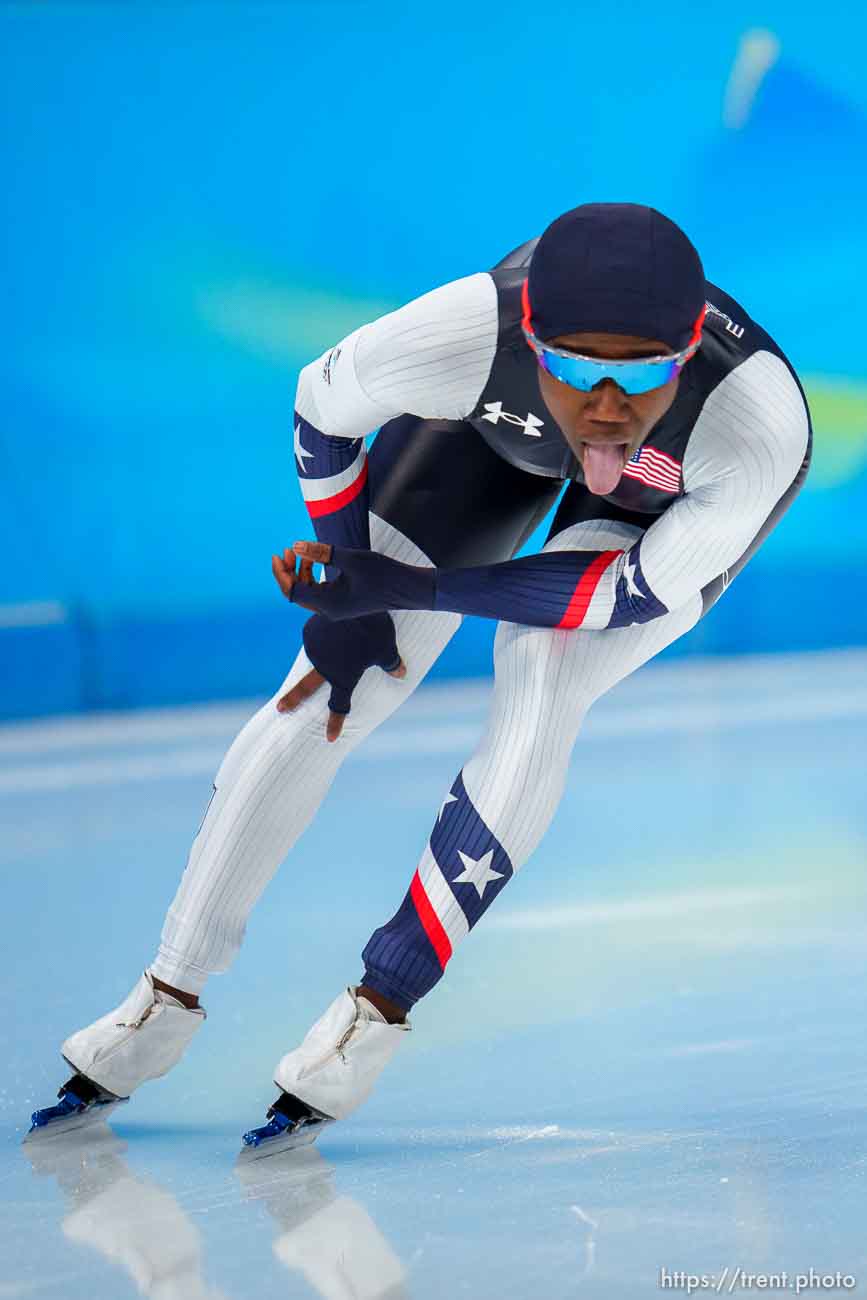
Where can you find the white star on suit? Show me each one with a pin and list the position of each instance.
(300, 450)
(632, 588)
(450, 798)
(478, 872)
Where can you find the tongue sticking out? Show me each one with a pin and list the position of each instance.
(603, 464)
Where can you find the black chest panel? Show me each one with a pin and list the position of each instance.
(513, 419)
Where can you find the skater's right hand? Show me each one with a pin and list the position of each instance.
(340, 653)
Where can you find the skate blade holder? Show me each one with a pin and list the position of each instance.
(96, 1113)
(278, 1135)
(302, 1137)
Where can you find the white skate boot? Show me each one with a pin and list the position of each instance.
(330, 1074)
(141, 1039)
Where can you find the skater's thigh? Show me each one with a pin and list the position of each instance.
(438, 484)
(577, 667)
(594, 661)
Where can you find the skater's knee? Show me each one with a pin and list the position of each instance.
(535, 687)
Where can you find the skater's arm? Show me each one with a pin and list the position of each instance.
(338, 504)
(333, 476)
(740, 463)
(537, 590)
(332, 473)
(430, 358)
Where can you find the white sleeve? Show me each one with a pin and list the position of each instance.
(748, 444)
(745, 450)
(430, 358)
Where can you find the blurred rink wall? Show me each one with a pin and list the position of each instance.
(201, 197)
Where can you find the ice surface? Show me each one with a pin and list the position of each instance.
(650, 1053)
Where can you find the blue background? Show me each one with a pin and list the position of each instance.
(202, 197)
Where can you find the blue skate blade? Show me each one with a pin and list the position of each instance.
(53, 1121)
(278, 1139)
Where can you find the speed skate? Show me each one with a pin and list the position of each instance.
(328, 1076)
(140, 1039)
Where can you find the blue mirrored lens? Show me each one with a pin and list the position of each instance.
(585, 373)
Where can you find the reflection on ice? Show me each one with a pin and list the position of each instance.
(130, 1220)
(588, 1227)
(330, 1239)
(325, 1238)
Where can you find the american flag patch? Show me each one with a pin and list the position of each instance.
(654, 468)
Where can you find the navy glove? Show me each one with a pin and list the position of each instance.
(341, 654)
(369, 583)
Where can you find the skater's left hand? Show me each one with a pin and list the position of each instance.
(288, 577)
(340, 654)
(368, 583)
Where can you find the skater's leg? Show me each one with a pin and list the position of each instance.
(266, 794)
(271, 784)
(505, 797)
(503, 800)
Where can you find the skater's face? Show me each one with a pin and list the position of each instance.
(611, 422)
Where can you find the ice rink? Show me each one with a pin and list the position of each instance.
(650, 1054)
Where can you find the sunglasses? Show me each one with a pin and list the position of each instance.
(584, 373)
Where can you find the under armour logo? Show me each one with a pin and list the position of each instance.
(531, 426)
